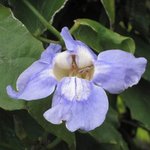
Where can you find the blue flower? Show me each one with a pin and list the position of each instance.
(79, 79)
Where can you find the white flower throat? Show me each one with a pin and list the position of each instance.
(66, 65)
(85, 72)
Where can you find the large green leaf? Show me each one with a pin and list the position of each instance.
(18, 49)
(109, 6)
(108, 134)
(47, 8)
(137, 100)
(99, 37)
(37, 108)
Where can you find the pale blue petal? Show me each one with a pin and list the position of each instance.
(116, 70)
(83, 47)
(25, 76)
(39, 86)
(68, 39)
(84, 55)
(82, 109)
(44, 62)
(50, 52)
(59, 113)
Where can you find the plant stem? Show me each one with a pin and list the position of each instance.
(74, 27)
(54, 143)
(45, 40)
(43, 20)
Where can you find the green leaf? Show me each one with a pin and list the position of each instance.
(137, 100)
(37, 108)
(26, 127)
(109, 6)
(142, 135)
(108, 134)
(112, 117)
(18, 49)
(99, 37)
(48, 9)
(8, 138)
(142, 139)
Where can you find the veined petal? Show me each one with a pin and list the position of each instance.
(39, 86)
(50, 52)
(116, 70)
(74, 89)
(84, 108)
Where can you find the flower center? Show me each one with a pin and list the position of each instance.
(85, 72)
(71, 69)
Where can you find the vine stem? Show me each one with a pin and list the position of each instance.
(45, 40)
(43, 21)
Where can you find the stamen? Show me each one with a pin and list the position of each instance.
(85, 69)
(85, 73)
(74, 67)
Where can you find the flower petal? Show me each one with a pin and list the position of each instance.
(116, 70)
(45, 61)
(80, 103)
(68, 39)
(85, 56)
(39, 86)
(50, 52)
(63, 60)
(25, 76)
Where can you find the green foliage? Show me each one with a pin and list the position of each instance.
(58, 130)
(109, 6)
(99, 37)
(127, 124)
(113, 137)
(8, 138)
(137, 99)
(48, 9)
(18, 49)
